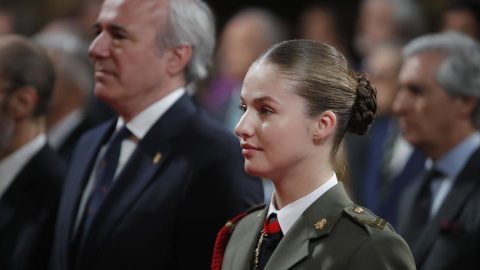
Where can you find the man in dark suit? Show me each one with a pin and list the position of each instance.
(151, 189)
(67, 119)
(439, 113)
(30, 172)
(382, 164)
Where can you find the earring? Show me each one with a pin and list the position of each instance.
(315, 137)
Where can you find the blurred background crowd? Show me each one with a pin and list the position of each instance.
(376, 169)
(370, 33)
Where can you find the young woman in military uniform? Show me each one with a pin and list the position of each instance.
(298, 101)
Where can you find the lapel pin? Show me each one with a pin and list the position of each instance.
(157, 158)
(320, 224)
(358, 210)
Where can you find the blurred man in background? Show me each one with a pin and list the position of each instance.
(386, 21)
(439, 113)
(31, 173)
(67, 120)
(382, 164)
(244, 38)
(462, 16)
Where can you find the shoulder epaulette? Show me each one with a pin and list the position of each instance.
(255, 208)
(365, 216)
(224, 235)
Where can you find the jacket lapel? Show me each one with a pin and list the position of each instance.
(16, 195)
(244, 249)
(24, 185)
(460, 192)
(6, 214)
(78, 175)
(79, 180)
(314, 224)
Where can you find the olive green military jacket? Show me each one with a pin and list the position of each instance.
(332, 233)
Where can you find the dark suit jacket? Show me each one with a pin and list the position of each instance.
(451, 239)
(158, 215)
(343, 242)
(28, 210)
(368, 186)
(66, 148)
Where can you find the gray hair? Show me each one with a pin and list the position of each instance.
(25, 63)
(459, 72)
(409, 18)
(73, 61)
(192, 22)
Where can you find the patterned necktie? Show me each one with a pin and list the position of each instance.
(104, 177)
(269, 239)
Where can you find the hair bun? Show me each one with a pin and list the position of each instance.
(365, 106)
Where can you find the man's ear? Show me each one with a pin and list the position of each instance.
(179, 57)
(466, 105)
(22, 102)
(324, 126)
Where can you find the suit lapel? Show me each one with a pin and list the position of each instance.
(411, 172)
(460, 192)
(78, 175)
(244, 250)
(148, 158)
(20, 190)
(6, 214)
(406, 207)
(294, 247)
(15, 197)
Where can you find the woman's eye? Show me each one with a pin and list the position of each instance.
(266, 110)
(242, 108)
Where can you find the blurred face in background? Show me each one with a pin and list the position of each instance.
(275, 134)
(461, 20)
(7, 122)
(7, 21)
(319, 24)
(241, 43)
(427, 114)
(376, 24)
(383, 64)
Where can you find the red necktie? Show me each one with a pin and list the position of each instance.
(269, 239)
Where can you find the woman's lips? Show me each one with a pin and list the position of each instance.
(248, 150)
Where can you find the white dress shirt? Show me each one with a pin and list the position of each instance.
(402, 150)
(138, 126)
(289, 214)
(450, 165)
(11, 166)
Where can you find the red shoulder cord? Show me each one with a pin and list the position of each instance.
(221, 243)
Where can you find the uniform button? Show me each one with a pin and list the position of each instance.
(358, 210)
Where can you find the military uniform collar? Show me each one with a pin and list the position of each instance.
(290, 213)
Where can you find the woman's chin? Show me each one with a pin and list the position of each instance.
(253, 170)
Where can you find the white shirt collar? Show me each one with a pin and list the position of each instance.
(59, 133)
(453, 162)
(141, 124)
(290, 213)
(11, 166)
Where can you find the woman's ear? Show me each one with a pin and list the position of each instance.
(324, 126)
(180, 55)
